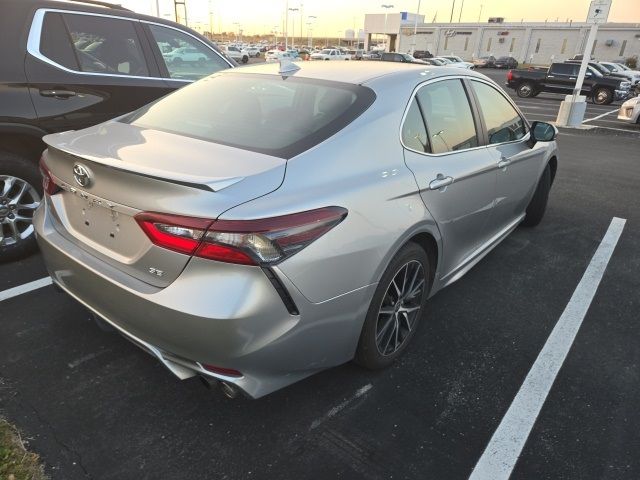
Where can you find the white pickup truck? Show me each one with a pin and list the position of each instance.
(330, 54)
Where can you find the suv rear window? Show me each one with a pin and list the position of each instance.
(260, 113)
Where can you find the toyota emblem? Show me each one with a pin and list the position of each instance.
(81, 175)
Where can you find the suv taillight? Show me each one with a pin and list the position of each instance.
(249, 242)
(48, 185)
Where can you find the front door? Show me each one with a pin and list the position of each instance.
(456, 176)
(518, 165)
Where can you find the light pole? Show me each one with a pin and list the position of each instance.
(386, 43)
(415, 30)
(461, 7)
(452, 9)
(238, 24)
(275, 35)
(293, 25)
(480, 14)
(311, 19)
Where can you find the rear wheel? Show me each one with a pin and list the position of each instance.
(396, 308)
(525, 90)
(245, 59)
(602, 96)
(538, 204)
(20, 194)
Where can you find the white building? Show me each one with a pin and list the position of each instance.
(530, 42)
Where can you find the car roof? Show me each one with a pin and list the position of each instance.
(357, 73)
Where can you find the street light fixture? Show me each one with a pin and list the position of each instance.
(386, 6)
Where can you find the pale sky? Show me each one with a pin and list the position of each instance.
(261, 16)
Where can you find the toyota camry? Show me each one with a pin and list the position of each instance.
(264, 224)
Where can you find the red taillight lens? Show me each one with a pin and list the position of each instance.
(248, 242)
(509, 75)
(48, 185)
(229, 372)
(174, 232)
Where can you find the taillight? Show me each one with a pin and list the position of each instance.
(249, 242)
(509, 75)
(48, 185)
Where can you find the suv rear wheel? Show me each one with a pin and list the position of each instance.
(602, 96)
(20, 195)
(525, 90)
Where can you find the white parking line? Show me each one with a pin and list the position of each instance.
(27, 287)
(505, 446)
(600, 116)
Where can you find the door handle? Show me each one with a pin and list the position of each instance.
(550, 76)
(440, 182)
(57, 93)
(504, 162)
(572, 78)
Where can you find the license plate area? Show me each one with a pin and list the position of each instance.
(104, 226)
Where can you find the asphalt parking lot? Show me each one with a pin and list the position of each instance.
(95, 406)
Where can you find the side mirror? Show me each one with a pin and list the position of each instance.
(542, 132)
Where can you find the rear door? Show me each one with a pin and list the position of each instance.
(455, 173)
(518, 166)
(87, 68)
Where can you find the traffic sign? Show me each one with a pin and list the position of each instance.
(599, 11)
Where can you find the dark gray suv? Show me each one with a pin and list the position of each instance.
(72, 65)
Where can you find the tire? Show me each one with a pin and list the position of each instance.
(17, 238)
(245, 59)
(525, 90)
(386, 335)
(602, 96)
(538, 204)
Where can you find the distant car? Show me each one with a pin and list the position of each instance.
(400, 58)
(356, 54)
(488, 61)
(630, 111)
(185, 55)
(458, 60)
(253, 51)
(276, 55)
(451, 63)
(506, 62)
(236, 54)
(632, 75)
(434, 61)
(373, 55)
(422, 54)
(330, 54)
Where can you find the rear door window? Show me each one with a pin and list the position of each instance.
(564, 69)
(106, 45)
(55, 42)
(185, 57)
(448, 116)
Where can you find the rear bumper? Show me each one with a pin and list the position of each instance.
(225, 315)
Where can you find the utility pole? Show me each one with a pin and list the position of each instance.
(386, 40)
(286, 26)
(452, 9)
(480, 14)
(415, 30)
(461, 7)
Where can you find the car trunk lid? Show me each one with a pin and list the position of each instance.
(111, 172)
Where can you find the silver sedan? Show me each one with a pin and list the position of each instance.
(262, 225)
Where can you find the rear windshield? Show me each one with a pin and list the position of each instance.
(260, 113)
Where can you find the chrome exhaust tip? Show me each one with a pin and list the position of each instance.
(229, 390)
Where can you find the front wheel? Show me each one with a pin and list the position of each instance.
(20, 194)
(245, 59)
(602, 96)
(538, 204)
(396, 308)
(525, 90)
